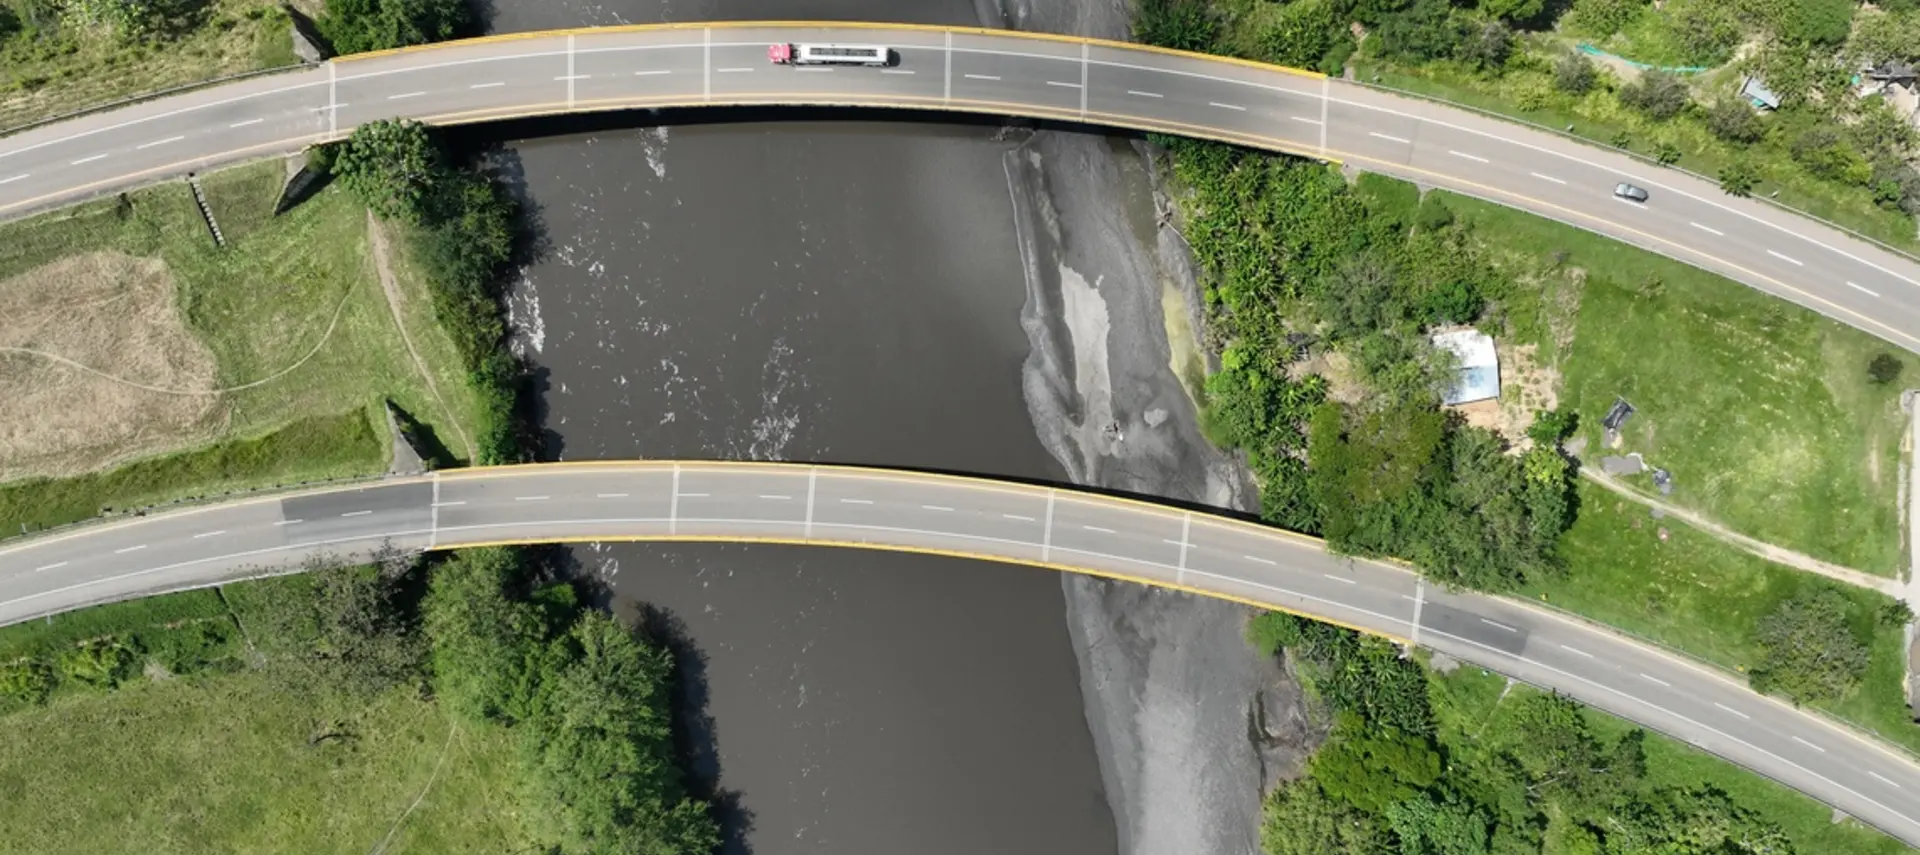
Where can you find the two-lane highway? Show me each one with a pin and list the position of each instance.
(990, 72)
(1059, 528)
(978, 71)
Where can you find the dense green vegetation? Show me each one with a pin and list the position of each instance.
(1303, 267)
(1827, 150)
(558, 710)
(463, 228)
(357, 26)
(1420, 763)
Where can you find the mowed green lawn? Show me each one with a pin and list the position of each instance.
(1762, 410)
(296, 319)
(227, 764)
(1471, 705)
(1703, 597)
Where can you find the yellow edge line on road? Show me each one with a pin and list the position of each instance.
(1003, 108)
(945, 553)
(89, 528)
(845, 25)
(905, 476)
(1716, 672)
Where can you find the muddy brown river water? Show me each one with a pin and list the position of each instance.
(831, 291)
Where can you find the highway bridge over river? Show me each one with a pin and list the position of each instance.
(1059, 528)
(1092, 82)
(969, 70)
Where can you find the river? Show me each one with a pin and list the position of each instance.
(849, 292)
(960, 297)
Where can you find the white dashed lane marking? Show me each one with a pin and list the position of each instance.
(209, 534)
(1708, 229)
(156, 143)
(494, 85)
(1019, 517)
(935, 508)
(246, 123)
(1810, 745)
(982, 77)
(1340, 579)
(1141, 94)
(1498, 625)
(1867, 291)
(1388, 138)
(1063, 84)
(1547, 178)
(54, 566)
(1473, 157)
(1882, 779)
(544, 498)
(404, 96)
(1257, 559)
(1731, 710)
(856, 501)
(1576, 651)
(356, 514)
(1227, 106)
(89, 159)
(610, 495)
(1305, 119)
(774, 497)
(1652, 679)
(130, 549)
(651, 72)
(1786, 258)
(1098, 529)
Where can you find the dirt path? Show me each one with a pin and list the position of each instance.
(1778, 555)
(395, 300)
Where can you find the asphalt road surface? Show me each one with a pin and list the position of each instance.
(984, 71)
(1060, 528)
(996, 73)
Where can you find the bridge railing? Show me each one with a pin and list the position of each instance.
(156, 94)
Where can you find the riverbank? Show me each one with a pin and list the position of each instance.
(1192, 727)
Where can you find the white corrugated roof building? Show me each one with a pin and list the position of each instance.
(1479, 370)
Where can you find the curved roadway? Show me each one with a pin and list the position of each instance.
(997, 73)
(982, 71)
(1060, 528)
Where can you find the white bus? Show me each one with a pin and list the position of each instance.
(823, 54)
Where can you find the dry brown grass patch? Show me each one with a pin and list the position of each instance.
(116, 315)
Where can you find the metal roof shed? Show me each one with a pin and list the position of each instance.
(1479, 374)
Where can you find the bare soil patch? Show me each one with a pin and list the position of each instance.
(86, 342)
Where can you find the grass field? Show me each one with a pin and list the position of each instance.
(1761, 410)
(1599, 117)
(225, 764)
(1471, 705)
(299, 327)
(49, 67)
(1703, 597)
(220, 753)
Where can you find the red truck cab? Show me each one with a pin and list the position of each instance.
(780, 54)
